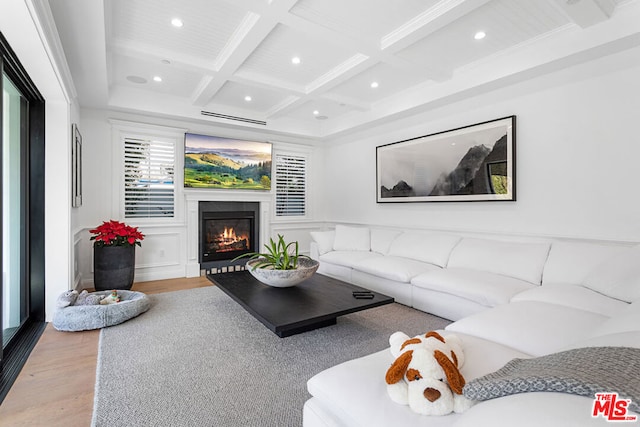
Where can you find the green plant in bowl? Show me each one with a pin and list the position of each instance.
(278, 255)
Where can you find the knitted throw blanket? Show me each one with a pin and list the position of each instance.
(581, 371)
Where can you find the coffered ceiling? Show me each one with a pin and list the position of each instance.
(321, 68)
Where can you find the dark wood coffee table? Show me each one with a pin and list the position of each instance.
(312, 304)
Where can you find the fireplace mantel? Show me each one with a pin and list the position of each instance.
(194, 196)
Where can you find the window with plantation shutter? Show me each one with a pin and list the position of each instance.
(291, 185)
(149, 178)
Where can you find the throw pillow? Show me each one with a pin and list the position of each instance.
(324, 239)
(381, 240)
(618, 277)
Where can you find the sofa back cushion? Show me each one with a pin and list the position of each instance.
(432, 248)
(524, 261)
(571, 262)
(324, 239)
(352, 238)
(381, 239)
(618, 277)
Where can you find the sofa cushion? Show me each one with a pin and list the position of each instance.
(533, 327)
(347, 258)
(621, 339)
(432, 248)
(356, 390)
(524, 261)
(381, 239)
(394, 268)
(352, 238)
(324, 239)
(485, 288)
(625, 320)
(532, 410)
(571, 262)
(618, 277)
(572, 296)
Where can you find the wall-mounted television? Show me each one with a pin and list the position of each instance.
(226, 163)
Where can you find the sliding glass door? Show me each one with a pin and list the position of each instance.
(14, 290)
(22, 128)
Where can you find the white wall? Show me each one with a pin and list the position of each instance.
(27, 35)
(577, 158)
(164, 251)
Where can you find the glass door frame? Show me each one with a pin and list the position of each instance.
(32, 164)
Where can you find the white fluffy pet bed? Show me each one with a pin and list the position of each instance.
(86, 317)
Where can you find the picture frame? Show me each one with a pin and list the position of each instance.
(76, 166)
(215, 162)
(470, 163)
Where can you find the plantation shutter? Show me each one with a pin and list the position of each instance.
(148, 178)
(291, 183)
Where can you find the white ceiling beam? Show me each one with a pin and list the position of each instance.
(428, 22)
(247, 37)
(155, 53)
(363, 47)
(586, 13)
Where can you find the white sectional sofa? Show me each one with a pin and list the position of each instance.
(509, 299)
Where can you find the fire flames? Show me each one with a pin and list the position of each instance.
(228, 241)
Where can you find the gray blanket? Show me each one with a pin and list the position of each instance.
(582, 371)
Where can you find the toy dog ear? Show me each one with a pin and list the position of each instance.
(454, 377)
(435, 335)
(409, 342)
(396, 372)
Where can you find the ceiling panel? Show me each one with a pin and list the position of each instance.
(262, 100)
(390, 80)
(228, 49)
(208, 25)
(326, 109)
(272, 59)
(361, 18)
(505, 22)
(175, 81)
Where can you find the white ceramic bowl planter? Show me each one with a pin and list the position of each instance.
(283, 278)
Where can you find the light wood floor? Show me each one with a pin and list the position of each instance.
(55, 387)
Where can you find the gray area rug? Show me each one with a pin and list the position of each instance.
(197, 358)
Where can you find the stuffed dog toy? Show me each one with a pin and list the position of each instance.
(400, 342)
(426, 375)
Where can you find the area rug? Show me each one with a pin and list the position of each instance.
(197, 358)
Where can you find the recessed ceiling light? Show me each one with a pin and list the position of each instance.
(247, 98)
(295, 60)
(374, 85)
(177, 22)
(157, 79)
(316, 112)
(480, 35)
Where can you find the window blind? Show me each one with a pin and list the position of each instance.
(148, 178)
(291, 183)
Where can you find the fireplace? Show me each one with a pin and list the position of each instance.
(227, 230)
(226, 235)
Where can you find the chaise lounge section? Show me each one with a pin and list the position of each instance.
(509, 299)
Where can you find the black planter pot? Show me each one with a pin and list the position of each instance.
(113, 267)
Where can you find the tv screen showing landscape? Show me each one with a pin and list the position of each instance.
(225, 163)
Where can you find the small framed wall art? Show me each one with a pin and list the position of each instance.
(76, 167)
(471, 163)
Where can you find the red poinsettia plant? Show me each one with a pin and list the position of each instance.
(115, 233)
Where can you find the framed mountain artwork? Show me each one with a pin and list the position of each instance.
(471, 163)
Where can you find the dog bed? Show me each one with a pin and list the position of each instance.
(86, 317)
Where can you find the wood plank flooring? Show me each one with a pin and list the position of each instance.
(55, 387)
